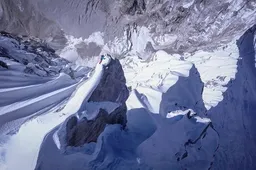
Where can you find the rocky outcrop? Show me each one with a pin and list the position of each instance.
(3, 64)
(21, 17)
(196, 24)
(112, 86)
(177, 27)
(86, 131)
(185, 94)
(106, 106)
(36, 57)
(234, 117)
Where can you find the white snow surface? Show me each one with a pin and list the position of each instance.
(216, 69)
(179, 112)
(149, 73)
(160, 70)
(92, 108)
(32, 132)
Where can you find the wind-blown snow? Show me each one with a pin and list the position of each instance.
(83, 92)
(32, 132)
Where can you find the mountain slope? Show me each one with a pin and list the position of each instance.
(233, 117)
(179, 26)
(34, 81)
(21, 17)
(189, 110)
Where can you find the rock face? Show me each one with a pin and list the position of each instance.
(21, 17)
(234, 117)
(186, 93)
(194, 24)
(175, 26)
(84, 129)
(112, 86)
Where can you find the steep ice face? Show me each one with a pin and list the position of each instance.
(105, 105)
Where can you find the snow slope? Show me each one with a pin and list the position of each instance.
(185, 111)
(150, 119)
(33, 131)
(190, 141)
(34, 81)
(234, 117)
(228, 95)
(162, 71)
(148, 66)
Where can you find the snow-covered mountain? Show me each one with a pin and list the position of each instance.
(33, 79)
(176, 92)
(21, 17)
(162, 127)
(177, 26)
